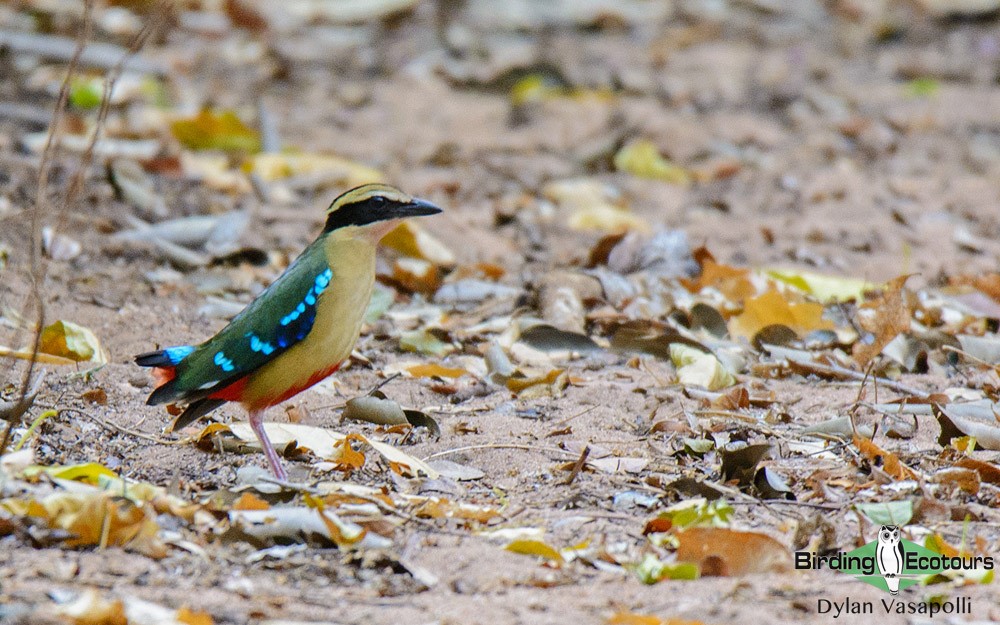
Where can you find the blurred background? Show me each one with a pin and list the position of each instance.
(848, 136)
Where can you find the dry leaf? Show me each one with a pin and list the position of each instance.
(440, 508)
(696, 368)
(592, 206)
(327, 444)
(329, 169)
(536, 548)
(374, 410)
(350, 459)
(410, 239)
(249, 501)
(66, 339)
(965, 479)
(210, 130)
(889, 461)
(643, 159)
(826, 289)
(90, 608)
(435, 371)
(732, 282)
(884, 318)
(723, 552)
(773, 308)
(296, 524)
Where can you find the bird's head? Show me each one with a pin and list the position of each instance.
(372, 210)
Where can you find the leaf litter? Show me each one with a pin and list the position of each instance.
(613, 401)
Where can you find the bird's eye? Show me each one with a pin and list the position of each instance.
(377, 202)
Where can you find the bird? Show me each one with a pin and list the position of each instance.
(298, 331)
(890, 556)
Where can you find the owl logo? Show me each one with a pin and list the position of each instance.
(889, 556)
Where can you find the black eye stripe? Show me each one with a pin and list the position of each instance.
(357, 213)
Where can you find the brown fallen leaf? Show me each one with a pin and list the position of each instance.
(889, 461)
(733, 282)
(723, 552)
(987, 472)
(965, 479)
(249, 501)
(884, 318)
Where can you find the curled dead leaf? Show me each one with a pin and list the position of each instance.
(723, 552)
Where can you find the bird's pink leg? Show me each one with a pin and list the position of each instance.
(257, 425)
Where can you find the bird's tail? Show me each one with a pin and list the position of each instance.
(165, 358)
(164, 362)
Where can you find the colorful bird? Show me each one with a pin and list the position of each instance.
(299, 330)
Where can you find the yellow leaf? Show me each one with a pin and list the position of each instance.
(211, 430)
(425, 341)
(519, 384)
(642, 158)
(74, 342)
(334, 170)
(826, 289)
(410, 239)
(435, 371)
(89, 473)
(92, 609)
(249, 501)
(772, 308)
(98, 518)
(606, 219)
(440, 508)
(211, 130)
(26, 354)
(534, 88)
(696, 368)
(538, 548)
(350, 459)
(190, 617)
(537, 87)
(592, 206)
(630, 618)
(215, 171)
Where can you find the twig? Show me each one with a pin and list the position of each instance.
(571, 417)
(12, 411)
(36, 268)
(577, 466)
(122, 429)
(789, 502)
(459, 450)
(860, 377)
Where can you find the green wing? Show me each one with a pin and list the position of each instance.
(280, 317)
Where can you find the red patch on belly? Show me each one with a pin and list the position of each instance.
(233, 392)
(319, 376)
